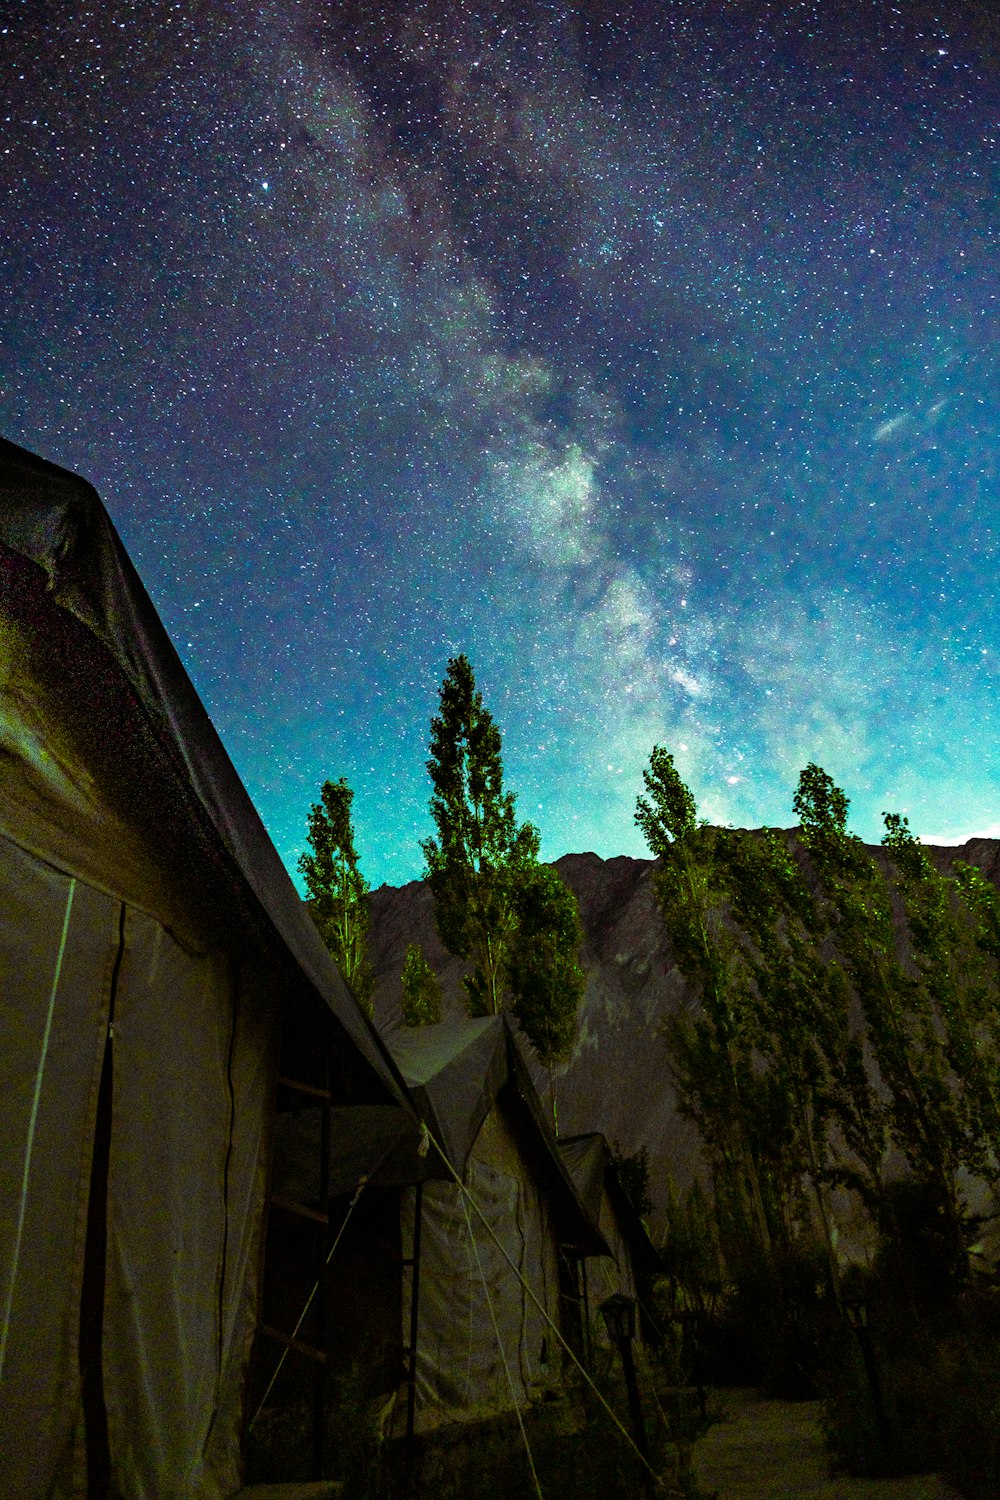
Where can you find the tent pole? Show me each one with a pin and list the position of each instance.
(411, 1383)
(587, 1345)
(322, 1237)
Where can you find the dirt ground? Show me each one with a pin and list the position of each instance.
(773, 1450)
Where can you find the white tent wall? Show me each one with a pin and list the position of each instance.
(252, 1077)
(137, 886)
(191, 1090)
(606, 1274)
(101, 890)
(82, 779)
(460, 1368)
(56, 938)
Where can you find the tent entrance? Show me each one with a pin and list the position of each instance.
(331, 1306)
(95, 1413)
(294, 1313)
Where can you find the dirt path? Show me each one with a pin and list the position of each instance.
(773, 1450)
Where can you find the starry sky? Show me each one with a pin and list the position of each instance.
(646, 354)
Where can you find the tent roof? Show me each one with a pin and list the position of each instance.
(591, 1165)
(587, 1158)
(56, 520)
(456, 1071)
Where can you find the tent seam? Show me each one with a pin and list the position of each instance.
(223, 1259)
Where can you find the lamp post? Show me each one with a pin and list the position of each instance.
(618, 1313)
(690, 1321)
(856, 1312)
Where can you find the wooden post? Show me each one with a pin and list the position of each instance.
(588, 1347)
(411, 1391)
(635, 1410)
(323, 1242)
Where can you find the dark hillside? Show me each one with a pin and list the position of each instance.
(616, 1080)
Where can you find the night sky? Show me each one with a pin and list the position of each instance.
(653, 364)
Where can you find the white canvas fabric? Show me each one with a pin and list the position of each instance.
(185, 1190)
(608, 1274)
(254, 1058)
(64, 794)
(131, 861)
(177, 1242)
(460, 1367)
(54, 974)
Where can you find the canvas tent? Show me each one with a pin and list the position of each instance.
(633, 1258)
(482, 1343)
(153, 952)
(471, 1086)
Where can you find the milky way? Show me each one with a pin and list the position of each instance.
(653, 364)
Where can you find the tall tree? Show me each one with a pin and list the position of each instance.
(712, 1054)
(544, 972)
(901, 1029)
(480, 852)
(956, 995)
(338, 892)
(422, 1001)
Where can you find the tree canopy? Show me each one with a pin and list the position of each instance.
(494, 903)
(422, 1000)
(338, 892)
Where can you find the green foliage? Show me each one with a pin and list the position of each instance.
(577, 1451)
(711, 1052)
(632, 1168)
(956, 996)
(906, 1006)
(672, 813)
(821, 807)
(693, 1269)
(422, 1000)
(493, 901)
(936, 1363)
(845, 1005)
(353, 1436)
(474, 863)
(544, 971)
(982, 901)
(338, 892)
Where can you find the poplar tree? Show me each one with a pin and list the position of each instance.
(493, 902)
(956, 1030)
(422, 1000)
(544, 972)
(809, 1061)
(924, 1121)
(338, 892)
(481, 852)
(711, 1053)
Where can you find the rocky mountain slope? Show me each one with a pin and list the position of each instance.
(617, 1078)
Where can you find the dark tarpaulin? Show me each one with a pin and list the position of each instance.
(590, 1164)
(455, 1072)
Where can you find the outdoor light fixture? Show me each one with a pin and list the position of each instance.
(856, 1312)
(618, 1313)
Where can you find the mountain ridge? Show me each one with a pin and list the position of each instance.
(617, 1078)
